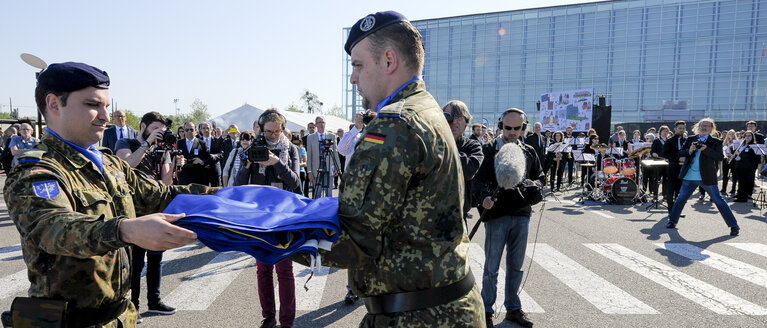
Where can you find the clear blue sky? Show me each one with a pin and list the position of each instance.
(226, 53)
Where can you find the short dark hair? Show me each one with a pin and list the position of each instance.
(40, 94)
(152, 117)
(405, 39)
(678, 123)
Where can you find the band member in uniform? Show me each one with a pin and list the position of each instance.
(728, 164)
(746, 162)
(671, 152)
(557, 162)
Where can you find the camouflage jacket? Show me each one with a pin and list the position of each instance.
(68, 215)
(400, 211)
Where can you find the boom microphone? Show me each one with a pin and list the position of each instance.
(510, 166)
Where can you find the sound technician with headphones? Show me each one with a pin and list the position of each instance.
(508, 218)
(281, 170)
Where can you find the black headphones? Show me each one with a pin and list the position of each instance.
(261, 119)
(513, 110)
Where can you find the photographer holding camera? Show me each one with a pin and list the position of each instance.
(273, 160)
(153, 154)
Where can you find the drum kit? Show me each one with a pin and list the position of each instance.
(615, 183)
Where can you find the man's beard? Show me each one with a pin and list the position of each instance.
(145, 135)
(365, 103)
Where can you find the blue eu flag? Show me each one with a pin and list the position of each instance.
(268, 223)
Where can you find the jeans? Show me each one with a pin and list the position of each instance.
(511, 232)
(153, 275)
(287, 291)
(688, 186)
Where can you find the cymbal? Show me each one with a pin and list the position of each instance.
(587, 165)
(600, 147)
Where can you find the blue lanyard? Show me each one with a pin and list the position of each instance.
(91, 153)
(388, 99)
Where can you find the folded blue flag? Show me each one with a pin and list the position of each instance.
(268, 223)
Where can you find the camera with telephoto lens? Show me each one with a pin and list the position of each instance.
(168, 141)
(258, 150)
(699, 144)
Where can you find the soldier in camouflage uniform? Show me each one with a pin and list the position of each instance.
(402, 233)
(75, 207)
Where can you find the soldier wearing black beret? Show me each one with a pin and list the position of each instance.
(76, 206)
(402, 234)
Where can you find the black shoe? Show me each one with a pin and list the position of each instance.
(734, 231)
(489, 320)
(351, 298)
(520, 317)
(139, 319)
(161, 308)
(671, 225)
(269, 323)
(740, 200)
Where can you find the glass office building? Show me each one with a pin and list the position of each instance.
(654, 60)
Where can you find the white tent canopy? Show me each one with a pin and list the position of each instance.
(245, 115)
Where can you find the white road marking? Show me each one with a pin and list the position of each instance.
(700, 292)
(756, 248)
(586, 208)
(607, 297)
(172, 254)
(736, 268)
(477, 262)
(306, 300)
(202, 288)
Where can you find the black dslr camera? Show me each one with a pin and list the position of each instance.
(698, 144)
(168, 141)
(367, 117)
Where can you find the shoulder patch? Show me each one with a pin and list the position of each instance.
(392, 110)
(46, 189)
(375, 138)
(31, 155)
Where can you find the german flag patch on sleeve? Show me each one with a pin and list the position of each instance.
(375, 138)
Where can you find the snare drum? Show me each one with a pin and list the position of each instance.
(620, 190)
(628, 167)
(609, 166)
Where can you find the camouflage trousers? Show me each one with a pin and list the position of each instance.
(467, 311)
(125, 320)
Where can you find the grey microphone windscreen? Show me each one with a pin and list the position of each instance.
(510, 166)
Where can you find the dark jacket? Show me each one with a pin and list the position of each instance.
(671, 152)
(533, 141)
(190, 172)
(748, 160)
(471, 156)
(485, 182)
(287, 174)
(110, 136)
(709, 159)
(657, 147)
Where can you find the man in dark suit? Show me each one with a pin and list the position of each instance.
(214, 146)
(671, 152)
(118, 131)
(310, 128)
(702, 154)
(476, 133)
(537, 140)
(196, 153)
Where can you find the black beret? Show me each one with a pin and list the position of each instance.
(71, 76)
(370, 24)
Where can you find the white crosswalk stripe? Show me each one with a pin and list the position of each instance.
(586, 208)
(700, 292)
(477, 262)
(10, 253)
(172, 254)
(758, 249)
(201, 289)
(736, 268)
(605, 296)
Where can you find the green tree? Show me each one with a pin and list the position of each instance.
(199, 111)
(312, 102)
(292, 108)
(335, 111)
(132, 120)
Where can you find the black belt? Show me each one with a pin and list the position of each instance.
(411, 301)
(96, 316)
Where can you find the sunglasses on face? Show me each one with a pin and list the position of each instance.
(189, 130)
(509, 128)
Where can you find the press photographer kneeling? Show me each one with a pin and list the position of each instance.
(272, 160)
(154, 154)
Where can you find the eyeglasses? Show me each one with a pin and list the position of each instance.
(273, 132)
(509, 128)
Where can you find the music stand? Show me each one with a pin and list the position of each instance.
(615, 151)
(760, 198)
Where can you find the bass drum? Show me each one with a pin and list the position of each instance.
(620, 190)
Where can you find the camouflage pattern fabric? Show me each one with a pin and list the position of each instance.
(401, 213)
(68, 215)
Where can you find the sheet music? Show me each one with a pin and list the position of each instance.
(736, 144)
(589, 157)
(615, 151)
(759, 149)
